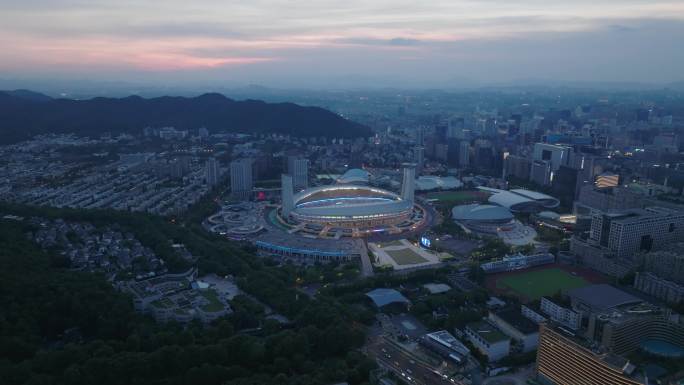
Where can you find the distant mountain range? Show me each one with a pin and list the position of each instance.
(26, 113)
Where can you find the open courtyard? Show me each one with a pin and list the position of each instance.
(402, 254)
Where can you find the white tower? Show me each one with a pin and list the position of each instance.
(287, 197)
(408, 183)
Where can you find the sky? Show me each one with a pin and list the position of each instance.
(351, 43)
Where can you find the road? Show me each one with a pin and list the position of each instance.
(401, 363)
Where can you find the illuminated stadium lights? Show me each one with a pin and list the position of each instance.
(351, 205)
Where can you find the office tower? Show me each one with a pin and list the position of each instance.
(563, 359)
(555, 155)
(241, 178)
(408, 182)
(464, 154)
(212, 172)
(517, 166)
(298, 168)
(455, 128)
(565, 184)
(442, 152)
(631, 231)
(287, 195)
(484, 154)
(606, 199)
(541, 173)
(419, 158)
(441, 132)
(420, 136)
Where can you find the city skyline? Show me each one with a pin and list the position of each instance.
(284, 44)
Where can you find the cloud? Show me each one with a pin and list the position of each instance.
(401, 39)
(396, 42)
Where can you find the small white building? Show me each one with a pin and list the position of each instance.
(488, 340)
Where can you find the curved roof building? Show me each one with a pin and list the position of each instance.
(354, 176)
(493, 220)
(521, 201)
(433, 182)
(481, 213)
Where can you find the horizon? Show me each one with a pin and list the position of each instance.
(381, 44)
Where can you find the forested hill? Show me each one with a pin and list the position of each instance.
(65, 327)
(24, 113)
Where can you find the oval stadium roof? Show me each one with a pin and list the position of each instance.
(478, 212)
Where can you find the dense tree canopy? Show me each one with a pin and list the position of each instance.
(65, 327)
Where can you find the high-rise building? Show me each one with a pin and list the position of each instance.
(212, 172)
(629, 232)
(241, 182)
(517, 166)
(455, 128)
(287, 197)
(464, 154)
(420, 136)
(419, 158)
(408, 182)
(442, 152)
(606, 199)
(552, 154)
(299, 169)
(541, 173)
(563, 359)
(483, 150)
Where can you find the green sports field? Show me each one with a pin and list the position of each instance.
(535, 284)
(405, 256)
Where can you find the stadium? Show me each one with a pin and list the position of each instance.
(486, 219)
(492, 220)
(351, 206)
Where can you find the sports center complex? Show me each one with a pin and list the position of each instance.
(351, 208)
(496, 217)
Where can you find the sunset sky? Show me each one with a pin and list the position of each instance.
(352, 42)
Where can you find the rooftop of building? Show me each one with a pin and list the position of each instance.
(447, 340)
(518, 198)
(602, 296)
(513, 317)
(487, 331)
(481, 213)
(432, 182)
(382, 297)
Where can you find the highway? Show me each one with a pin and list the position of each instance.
(404, 365)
